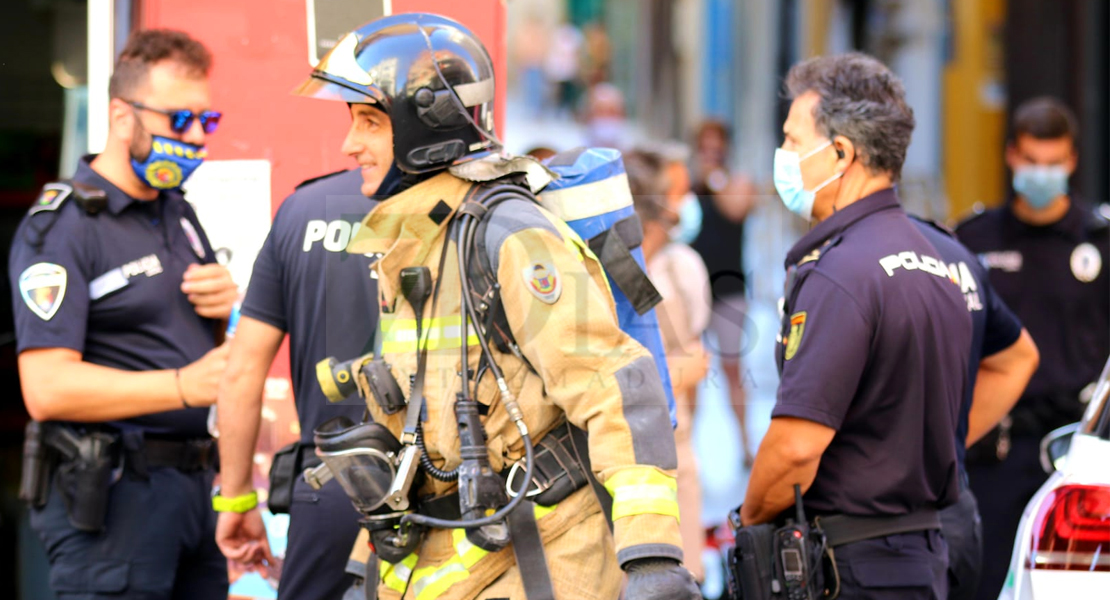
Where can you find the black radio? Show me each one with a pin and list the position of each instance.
(770, 562)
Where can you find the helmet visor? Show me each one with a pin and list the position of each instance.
(318, 87)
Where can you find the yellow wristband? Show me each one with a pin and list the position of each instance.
(238, 504)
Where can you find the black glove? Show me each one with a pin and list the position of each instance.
(659, 579)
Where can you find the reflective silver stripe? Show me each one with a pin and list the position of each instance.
(473, 94)
(605, 196)
(440, 573)
(107, 283)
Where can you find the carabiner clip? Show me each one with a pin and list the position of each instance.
(512, 477)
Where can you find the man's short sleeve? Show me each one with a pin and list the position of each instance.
(50, 286)
(265, 298)
(826, 350)
(1003, 328)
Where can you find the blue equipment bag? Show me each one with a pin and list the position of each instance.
(591, 194)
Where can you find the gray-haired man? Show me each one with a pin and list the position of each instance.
(875, 342)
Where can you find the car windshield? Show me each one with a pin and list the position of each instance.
(1096, 421)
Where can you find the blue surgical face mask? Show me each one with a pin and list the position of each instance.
(169, 163)
(1040, 185)
(689, 220)
(789, 184)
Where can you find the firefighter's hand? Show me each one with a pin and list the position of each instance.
(659, 579)
(242, 538)
(210, 289)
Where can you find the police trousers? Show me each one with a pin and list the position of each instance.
(159, 542)
(905, 566)
(1003, 489)
(963, 531)
(323, 525)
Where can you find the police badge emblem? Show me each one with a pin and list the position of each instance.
(543, 280)
(1086, 262)
(43, 285)
(794, 339)
(164, 174)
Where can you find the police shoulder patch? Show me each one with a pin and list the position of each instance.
(794, 338)
(43, 286)
(53, 195)
(543, 281)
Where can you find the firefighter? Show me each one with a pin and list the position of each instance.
(550, 376)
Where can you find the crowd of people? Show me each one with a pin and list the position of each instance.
(901, 343)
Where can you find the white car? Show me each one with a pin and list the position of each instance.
(1062, 549)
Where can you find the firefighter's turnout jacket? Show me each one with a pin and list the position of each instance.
(580, 367)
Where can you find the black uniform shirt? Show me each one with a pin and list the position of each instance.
(306, 284)
(109, 286)
(994, 326)
(1055, 279)
(876, 346)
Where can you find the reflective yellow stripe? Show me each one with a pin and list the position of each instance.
(543, 511)
(643, 491)
(440, 333)
(430, 582)
(396, 577)
(469, 554)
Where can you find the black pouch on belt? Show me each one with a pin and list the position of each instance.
(751, 562)
(284, 471)
(38, 466)
(85, 475)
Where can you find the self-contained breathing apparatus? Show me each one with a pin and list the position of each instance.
(380, 473)
(481, 490)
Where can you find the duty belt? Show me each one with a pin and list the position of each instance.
(183, 455)
(845, 529)
(308, 458)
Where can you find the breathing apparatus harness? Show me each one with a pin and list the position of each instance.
(381, 474)
(480, 487)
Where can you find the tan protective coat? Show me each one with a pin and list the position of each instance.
(575, 345)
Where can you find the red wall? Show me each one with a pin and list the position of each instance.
(260, 50)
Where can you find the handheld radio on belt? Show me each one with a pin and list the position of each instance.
(777, 563)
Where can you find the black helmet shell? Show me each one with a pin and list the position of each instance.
(432, 77)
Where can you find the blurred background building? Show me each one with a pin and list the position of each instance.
(578, 71)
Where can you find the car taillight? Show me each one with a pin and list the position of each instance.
(1072, 530)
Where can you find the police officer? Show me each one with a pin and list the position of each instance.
(875, 341)
(559, 368)
(1003, 358)
(306, 284)
(117, 303)
(1046, 252)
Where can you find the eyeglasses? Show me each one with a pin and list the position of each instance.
(181, 120)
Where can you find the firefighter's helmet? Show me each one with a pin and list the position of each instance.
(432, 77)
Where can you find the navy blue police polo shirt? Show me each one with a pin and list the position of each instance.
(108, 285)
(876, 343)
(994, 326)
(1055, 279)
(306, 284)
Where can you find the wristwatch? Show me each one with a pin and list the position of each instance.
(238, 504)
